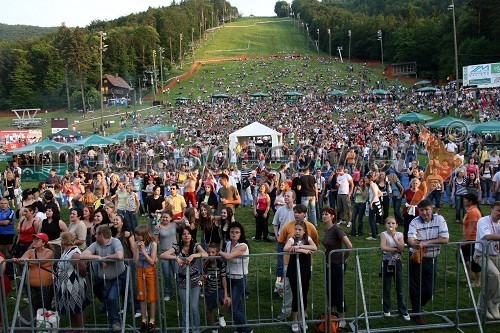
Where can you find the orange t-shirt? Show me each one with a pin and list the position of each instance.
(472, 215)
(40, 273)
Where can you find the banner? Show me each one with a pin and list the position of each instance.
(484, 74)
(19, 138)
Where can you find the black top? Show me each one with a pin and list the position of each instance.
(307, 182)
(51, 229)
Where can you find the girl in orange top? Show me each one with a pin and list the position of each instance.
(40, 273)
(472, 215)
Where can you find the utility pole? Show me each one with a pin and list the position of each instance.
(180, 48)
(102, 47)
(457, 85)
(161, 74)
(317, 44)
(329, 42)
(379, 34)
(349, 34)
(192, 41)
(153, 76)
(171, 54)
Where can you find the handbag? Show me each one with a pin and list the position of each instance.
(46, 320)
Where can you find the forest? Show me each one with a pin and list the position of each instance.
(412, 30)
(61, 68)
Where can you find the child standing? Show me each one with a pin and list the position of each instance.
(216, 286)
(392, 244)
(145, 259)
(304, 246)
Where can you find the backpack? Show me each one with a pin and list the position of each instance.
(321, 327)
(245, 183)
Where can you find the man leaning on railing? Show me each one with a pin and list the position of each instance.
(488, 234)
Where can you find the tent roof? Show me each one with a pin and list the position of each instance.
(420, 83)
(254, 129)
(44, 145)
(95, 140)
(158, 128)
(64, 133)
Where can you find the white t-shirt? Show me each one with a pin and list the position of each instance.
(451, 147)
(485, 227)
(343, 181)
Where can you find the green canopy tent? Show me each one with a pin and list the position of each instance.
(292, 96)
(94, 141)
(259, 94)
(158, 129)
(336, 92)
(489, 127)
(381, 92)
(413, 117)
(422, 83)
(126, 135)
(36, 169)
(449, 121)
(427, 89)
(65, 133)
(181, 100)
(217, 97)
(5, 158)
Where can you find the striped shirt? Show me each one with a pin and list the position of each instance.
(424, 231)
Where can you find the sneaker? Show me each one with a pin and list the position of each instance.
(116, 327)
(282, 316)
(371, 238)
(295, 328)
(493, 310)
(137, 314)
(387, 314)
(271, 239)
(304, 326)
(167, 298)
(342, 324)
(349, 224)
(340, 222)
(222, 321)
(256, 239)
(215, 331)
(406, 317)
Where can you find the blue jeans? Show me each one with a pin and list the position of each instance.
(168, 268)
(396, 205)
(246, 196)
(459, 207)
(358, 212)
(279, 262)
(132, 219)
(310, 203)
(397, 274)
(238, 307)
(486, 185)
(108, 291)
(194, 312)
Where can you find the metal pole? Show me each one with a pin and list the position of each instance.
(349, 34)
(380, 38)
(161, 73)
(317, 30)
(329, 42)
(153, 76)
(102, 36)
(192, 41)
(180, 49)
(457, 91)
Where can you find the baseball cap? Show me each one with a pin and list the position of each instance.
(41, 236)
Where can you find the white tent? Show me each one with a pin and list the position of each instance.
(255, 129)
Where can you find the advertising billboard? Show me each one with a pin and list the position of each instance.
(19, 138)
(484, 74)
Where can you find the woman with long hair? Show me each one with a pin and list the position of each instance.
(413, 195)
(27, 227)
(186, 253)
(397, 193)
(53, 226)
(375, 207)
(236, 253)
(226, 219)
(73, 292)
(458, 190)
(209, 226)
(280, 195)
(385, 187)
(360, 194)
(88, 219)
(208, 197)
(165, 233)
(192, 220)
(262, 205)
(473, 184)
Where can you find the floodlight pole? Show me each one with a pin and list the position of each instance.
(457, 85)
(161, 73)
(317, 45)
(330, 43)
(102, 38)
(153, 76)
(349, 34)
(180, 48)
(379, 34)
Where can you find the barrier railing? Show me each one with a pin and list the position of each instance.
(454, 302)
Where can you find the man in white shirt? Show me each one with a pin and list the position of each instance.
(488, 234)
(345, 186)
(451, 147)
(496, 186)
(320, 180)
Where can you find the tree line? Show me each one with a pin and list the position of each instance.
(412, 30)
(61, 68)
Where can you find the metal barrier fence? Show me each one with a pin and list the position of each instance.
(454, 303)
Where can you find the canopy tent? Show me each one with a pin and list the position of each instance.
(427, 89)
(448, 121)
(381, 92)
(455, 81)
(259, 94)
(423, 82)
(492, 126)
(413, 117)
(95, 141)
(255, 129)
(293, 94)
(337, 92)
(182, 98)
(41, 146)
(5, 158)
(220, 96)
(126, 135)
(65, 133)
(158, 129)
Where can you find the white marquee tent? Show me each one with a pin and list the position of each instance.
(255, 129)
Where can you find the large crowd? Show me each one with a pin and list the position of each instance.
(345, 160)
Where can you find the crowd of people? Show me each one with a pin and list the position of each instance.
(346, 160)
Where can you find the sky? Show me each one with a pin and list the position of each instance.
(50, 13)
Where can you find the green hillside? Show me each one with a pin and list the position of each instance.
(17, 32)
(253, 37)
